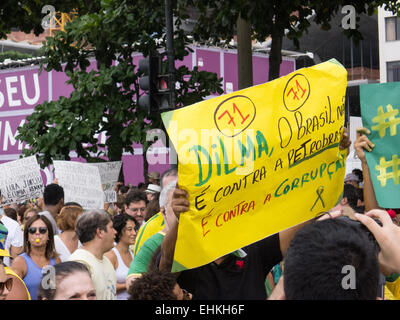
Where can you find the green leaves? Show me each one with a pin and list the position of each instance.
(104, 97)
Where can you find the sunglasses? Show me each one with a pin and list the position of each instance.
(7, 284)
(42, 230)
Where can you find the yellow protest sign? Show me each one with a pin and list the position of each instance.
(258, 161)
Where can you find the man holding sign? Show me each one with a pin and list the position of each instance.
(273, 164)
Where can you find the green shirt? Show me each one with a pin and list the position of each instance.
(142, 259)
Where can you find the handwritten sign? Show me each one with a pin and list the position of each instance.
(20, 180)
(109, 173)
(81, 183)
(258, 161)
(380, 112)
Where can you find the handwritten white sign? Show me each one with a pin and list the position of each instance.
(81, 183)
(109, 173)
(20, 180)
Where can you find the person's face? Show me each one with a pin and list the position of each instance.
(38, 234)
(76, 286)
(5, 283)
(29, 215)
(150, 196)
(137, 210)
(353, 183)
(129, 233)
(168, 179)
(109, 237)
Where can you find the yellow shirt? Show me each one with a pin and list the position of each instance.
(151, 227)
(393, 290)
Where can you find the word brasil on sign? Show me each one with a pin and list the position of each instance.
(258, 161)
(380, 112)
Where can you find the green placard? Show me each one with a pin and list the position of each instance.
(380, 112)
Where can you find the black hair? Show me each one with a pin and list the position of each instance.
(351, 193)
(11, 213)
(135, 196)
(123, 189)
(119, 223)
(316, 258)
(155, 285)
(359, 174)
(62, 270)
(52, 194)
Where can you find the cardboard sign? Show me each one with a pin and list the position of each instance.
(258, 161)
(20, 180)
(380, 111)
(109, 173)
(81, 183)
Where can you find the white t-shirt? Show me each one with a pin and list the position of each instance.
(102, 271)
(62, 249)
(15, 235)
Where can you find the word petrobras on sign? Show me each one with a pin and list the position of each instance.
(258, 161)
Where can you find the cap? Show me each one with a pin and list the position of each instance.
(154, 175)
(3, 236)
(153, 188)
(351, 177)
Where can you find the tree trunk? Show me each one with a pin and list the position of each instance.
(244, 53)
(275, 55)
(145, 147)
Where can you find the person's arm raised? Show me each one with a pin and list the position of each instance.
(179, 204)
(362, 142)
(387, 236)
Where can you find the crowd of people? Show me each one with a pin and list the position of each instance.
(51, 250)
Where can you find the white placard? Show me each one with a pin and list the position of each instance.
(81, 183)
(20, 180)
(109, 173)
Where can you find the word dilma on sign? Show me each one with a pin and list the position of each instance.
(220, 159)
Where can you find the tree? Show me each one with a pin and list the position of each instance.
(104, 99)
(274, 19)
(26, 15)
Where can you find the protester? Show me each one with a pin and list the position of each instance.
(154, 178)
(350, 198)
(15, 239)
(122, 190)
(67, 241)
(53, 196)
(142, 259)
(155, 223)
(152, 191)
(135, 205)
(236, 276)
(152, 208)
(29, 213)
(39, 252)
(6, 282)
(359, 174)
(11, 213)
(72, 282)
(158, 285)
(18, 290)
(96, 233)
(319, 253)
(352, 179)
(121, 256)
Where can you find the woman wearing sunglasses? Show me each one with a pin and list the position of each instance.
(6, 283)
(39, 252)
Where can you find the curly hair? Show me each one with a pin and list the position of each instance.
(154, 285)
(119, 223)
